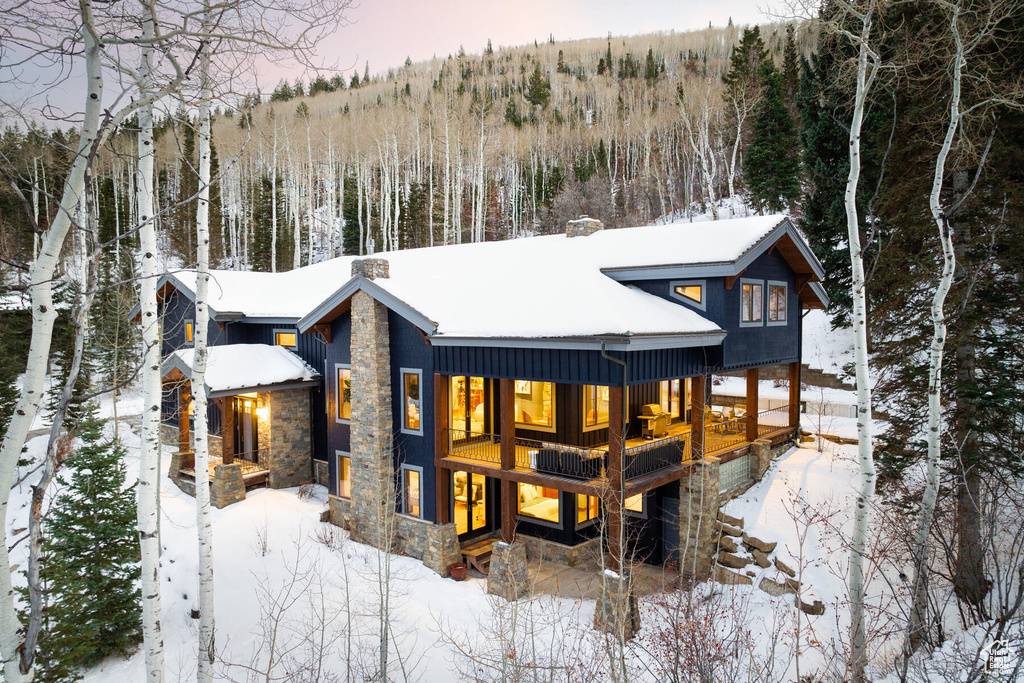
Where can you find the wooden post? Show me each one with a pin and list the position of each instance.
(507, 407)
(227, 431)
(442, 475)
(697, 388)
(752, 377)
(616, 441)
(794, 394)
(184, 396)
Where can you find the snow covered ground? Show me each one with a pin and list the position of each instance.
(271, 550)
(826, 349)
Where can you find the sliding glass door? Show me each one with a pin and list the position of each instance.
(469, 503)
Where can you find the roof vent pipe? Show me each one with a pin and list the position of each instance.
(583, 226)
(371, 268)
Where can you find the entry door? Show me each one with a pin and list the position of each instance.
(245, 428)
(469, 503)
(470, 408)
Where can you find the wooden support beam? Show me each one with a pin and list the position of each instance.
(184, 397)
(324, 331)
(752, 384)
(730, 281)
(616, 484)
(227, 430)
(442, 476)
(507, 409)
(794, 394)
(697, 389)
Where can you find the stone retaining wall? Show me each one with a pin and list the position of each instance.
(698, 510)
(582, 554)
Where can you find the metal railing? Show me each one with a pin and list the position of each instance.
(772, 420)
(654, 456)
(476, 446)
(723, 436)
(250, 462)
(558, 459)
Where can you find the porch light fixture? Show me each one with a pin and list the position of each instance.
(263, 412)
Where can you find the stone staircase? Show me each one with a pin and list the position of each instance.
(818, 378)
(736, 555)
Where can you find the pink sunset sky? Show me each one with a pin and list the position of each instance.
(385, 32)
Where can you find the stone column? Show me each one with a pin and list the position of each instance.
(616, 611)
(373, 495)
(289, 443)
(509, 575)
(760, 458)
(698, 510)
(227, 485)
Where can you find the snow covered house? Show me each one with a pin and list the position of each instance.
(521, 390)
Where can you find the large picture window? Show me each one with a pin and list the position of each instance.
(751, 303)
(777, 303)
(412, 490)
(595, 406)
(412, 420)
(535, 405)
(539, 503)
(344, 475)
(343, 393)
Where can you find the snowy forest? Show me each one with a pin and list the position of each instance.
(892, 133)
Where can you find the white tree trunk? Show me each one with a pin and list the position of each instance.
(862, 514)
(43, 315)
(204, 522)
(273, 205)
(919, 606)
(149, 457)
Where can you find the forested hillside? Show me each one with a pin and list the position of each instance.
(497, 144)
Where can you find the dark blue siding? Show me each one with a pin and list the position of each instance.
(574, 366)
(746, 347)
(410, 350)
(338, 433)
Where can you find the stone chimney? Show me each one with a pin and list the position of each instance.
(583, 226)
(371, 268)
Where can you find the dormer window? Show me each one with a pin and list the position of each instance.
(692, 292)
(286, 338)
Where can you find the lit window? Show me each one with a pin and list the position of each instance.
(691, 293)
(411, 423)
(634, 503)
(595, 405)
(285, 338)
(344, 476)
(776, 302)
(189, 325)
(670, 397)
(750, 302)
(535, 404)
(539, 502)
(586, 508)
(412, 493)
(343, 390)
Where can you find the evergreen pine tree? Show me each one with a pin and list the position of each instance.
(90, 560)
(771, 166)
(791, 69)
(539, 89)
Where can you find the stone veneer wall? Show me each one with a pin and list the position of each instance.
(698, 510)
(586, 553)
(373, 494)
(290, 442)
(436, 544)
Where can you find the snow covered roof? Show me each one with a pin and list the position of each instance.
(239, 368)
(551, 287)
(561, 288)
